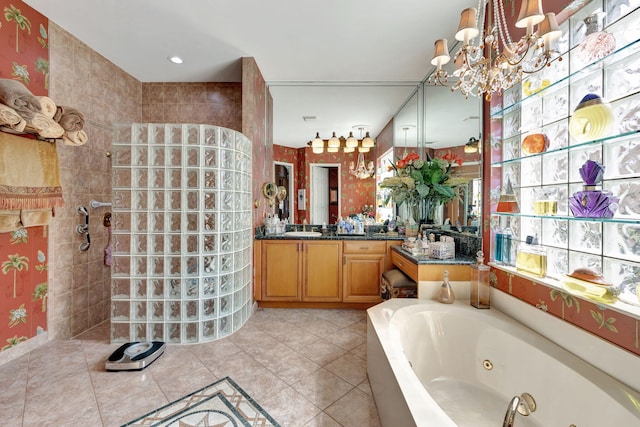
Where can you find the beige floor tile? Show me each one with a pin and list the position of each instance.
(211, 353)
(237, 365)
(127, 406)
(177, 360)
(365, 387)
(346, 318)
(293, 336)
(176, 387)
(323, 420)
(345, 339)
(350, 368)
(322, 388)
(292, 367)
(64, 383)
(290, 408)
(361, 351)
(261, 384)
(359, 327)
(322, 352)
(320, 327)
(355, 409)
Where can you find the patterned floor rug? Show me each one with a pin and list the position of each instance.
(221, 404)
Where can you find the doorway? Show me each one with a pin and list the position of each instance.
(283, 177)
(324, 190)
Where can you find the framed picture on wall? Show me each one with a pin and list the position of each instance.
(333, 195)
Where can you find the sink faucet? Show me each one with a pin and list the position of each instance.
(523, 404)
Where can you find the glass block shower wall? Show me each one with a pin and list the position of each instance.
(181, 262)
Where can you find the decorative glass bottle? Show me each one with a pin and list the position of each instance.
(480, 283)
(446, 295)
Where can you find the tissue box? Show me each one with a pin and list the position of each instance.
(442, 250)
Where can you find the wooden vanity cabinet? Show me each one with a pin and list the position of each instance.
(322, 271)
(364, 262)
(280, 270)
(296, 270)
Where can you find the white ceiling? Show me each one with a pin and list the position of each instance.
(347, 62)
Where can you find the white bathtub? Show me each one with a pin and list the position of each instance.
(426, 365)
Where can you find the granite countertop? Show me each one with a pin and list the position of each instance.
(424, 259)
(332, 236)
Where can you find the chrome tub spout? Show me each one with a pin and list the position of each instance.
(523, 404)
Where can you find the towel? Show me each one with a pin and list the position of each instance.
(11, 119)
(75, 138)
(48, 106)
(69, 118)
(29, 175)
(16, 95)
(44, 126)
(11, 220)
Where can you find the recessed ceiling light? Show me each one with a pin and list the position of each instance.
(175, 59)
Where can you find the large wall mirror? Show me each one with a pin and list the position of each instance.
(437, 121)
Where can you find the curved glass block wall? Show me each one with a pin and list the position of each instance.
(181, 261)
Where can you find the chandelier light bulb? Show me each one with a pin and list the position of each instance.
(351, 142)
(334, 142)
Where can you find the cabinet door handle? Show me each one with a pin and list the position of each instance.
(344, 260)
(364, 248)
(399, 264)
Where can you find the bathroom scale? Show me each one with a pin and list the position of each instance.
(134, 356)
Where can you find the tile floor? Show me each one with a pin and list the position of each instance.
(306, 367)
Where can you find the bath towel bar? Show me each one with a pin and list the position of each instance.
(95, 204)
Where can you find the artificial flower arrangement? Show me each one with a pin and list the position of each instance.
(416, 180)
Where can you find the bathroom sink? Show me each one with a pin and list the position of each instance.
(303, 233)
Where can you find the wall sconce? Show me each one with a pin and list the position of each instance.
(472, 146)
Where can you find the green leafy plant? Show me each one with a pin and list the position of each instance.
(416, 181)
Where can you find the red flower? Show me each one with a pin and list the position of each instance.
(402, 163)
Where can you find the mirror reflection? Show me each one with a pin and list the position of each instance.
(436, 124)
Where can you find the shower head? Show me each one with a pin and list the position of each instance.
(83, 211)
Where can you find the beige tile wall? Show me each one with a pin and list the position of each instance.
(79, 283)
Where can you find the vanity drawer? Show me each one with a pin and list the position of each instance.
(364, 246)
(409, 268)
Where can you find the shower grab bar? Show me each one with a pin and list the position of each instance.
(95, 204)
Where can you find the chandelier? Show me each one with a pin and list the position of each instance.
(362, 170)
(481, 67)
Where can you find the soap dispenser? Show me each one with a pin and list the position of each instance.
(480, 283)
(446, 295)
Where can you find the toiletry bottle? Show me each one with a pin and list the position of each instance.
(446, 295)
(425, 244)
(498, 255)
(506, 247)
(480, 283)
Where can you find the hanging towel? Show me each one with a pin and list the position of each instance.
(11, 119)
(69, 118)
(29, 174)
(16, 95)
(48, 106)
(11, 220)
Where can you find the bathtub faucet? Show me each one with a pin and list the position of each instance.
(524, 404)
